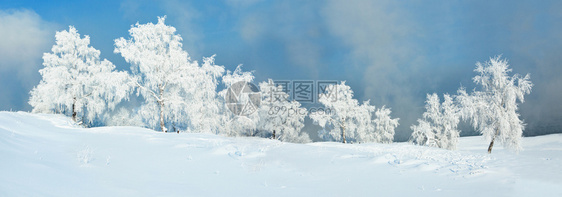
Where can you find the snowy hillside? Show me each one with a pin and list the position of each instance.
(46, 155)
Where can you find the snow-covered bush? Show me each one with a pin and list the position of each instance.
(384, 125)
(438, 128)
(76, 82)
(493, 109)
(232, 124)
(204, 106)
(349, 121)
(280, 118)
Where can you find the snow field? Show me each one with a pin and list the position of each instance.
(47, 155)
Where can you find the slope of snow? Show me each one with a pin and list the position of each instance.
(47, 155)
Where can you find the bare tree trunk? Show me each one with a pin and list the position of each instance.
(174, 129)
(273, 134)
(491, 145)
(162, 125)
(496, 133)
(343, 134)
(74, 109)
(161, 104)
(492, 142)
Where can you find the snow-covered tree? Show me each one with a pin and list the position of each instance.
(279, 117)
(493, 109)
(76, 82)
(423, 134)
(384, 125)
(346, 120)
(438, 128)
(234, 124)
(451, 118)
(176, 90)
(204, 105)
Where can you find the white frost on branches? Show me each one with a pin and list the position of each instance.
(438, 128)
(493, 109)
(346, 120)
(176, 90)
(384, 125)
(279, 117)
(204, 106)
(75, 82)
(230, 123)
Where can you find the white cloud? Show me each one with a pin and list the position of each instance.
(182, 15)
(536, 43)
(241, 3)
(130, 9)
(293, 25)
(379, 35)
(251, 28)
(23, 40)
(304, 54)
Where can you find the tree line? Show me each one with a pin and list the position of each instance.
(179, 94)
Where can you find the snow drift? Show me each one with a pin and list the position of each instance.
(47, 155)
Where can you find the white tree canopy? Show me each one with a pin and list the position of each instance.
(177, 91)
(279, 117)
(384, 125)
(347, 121)
(76, 82)
(205, 106)
(230, 123)
(438, 127)
(493, 109)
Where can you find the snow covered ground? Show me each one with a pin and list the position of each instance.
(46, 155)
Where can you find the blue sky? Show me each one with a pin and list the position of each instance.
(391, 52)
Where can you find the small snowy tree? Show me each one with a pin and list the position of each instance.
(177, 91)
(75, 81)
(493, 110)
(233, 124)
(384, 125)
(451, 118)
(346, 119)
(281, 118)
(423, 134)
(204, 105)
(438, 128)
